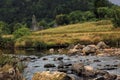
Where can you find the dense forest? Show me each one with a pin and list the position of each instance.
(16, 13)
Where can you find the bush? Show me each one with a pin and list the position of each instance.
(116, 17)
(62, 19)
(21, 32)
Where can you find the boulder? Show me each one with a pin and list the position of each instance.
(89, 49)
(51, 50)
(60, 51)
(78, 46)
(102, 45)
(46, 75)
(78, 68)
(74, 51)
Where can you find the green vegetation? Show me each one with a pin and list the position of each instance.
(116, 17)
(21, 32)
(88, 32)
(84, 20)
(15, 13)
(62, 19)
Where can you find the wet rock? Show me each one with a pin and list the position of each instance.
(49, 65)
(45, 59)
(88, 74)
(108, 67)
(51, 76)
(60, 66)
(97, 60)
(88, 68)
(90, 49)
(99, 78)
(62, 70)
(101, 73)
(78, 46)
(67, 64)
(74, 51)
(60, 50)
(102, 45)
(51, 50)
(74, 77)
(60, 58)
(110, 77)
(78, 68)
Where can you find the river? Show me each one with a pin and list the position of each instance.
(110, 64)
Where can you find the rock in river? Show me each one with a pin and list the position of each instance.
(49, 65)
(51, 76)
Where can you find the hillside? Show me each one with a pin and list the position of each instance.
(88, 32)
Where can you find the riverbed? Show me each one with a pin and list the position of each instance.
(106, 63)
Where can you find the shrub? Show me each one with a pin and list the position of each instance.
(21, 32)
(62, 19)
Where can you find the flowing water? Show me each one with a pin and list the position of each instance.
(110, 64)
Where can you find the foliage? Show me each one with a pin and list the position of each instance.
(4, 28)
(62, 19)
(21, 32)
(103, 12)
(116, 17)
(18, 26)
(43, 24)
(6, 43)
(6, 60)
(75, 16)
(79, 16)
(101, 3)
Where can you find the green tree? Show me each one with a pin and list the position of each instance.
(116, 17)
(4, 28)
(21, 32)
(88, 15)
(103, 12)
(101, 3)
(75, 16)
(62, 19)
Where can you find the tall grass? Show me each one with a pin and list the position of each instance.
(84, 33)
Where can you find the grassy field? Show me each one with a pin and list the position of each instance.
(84, 33)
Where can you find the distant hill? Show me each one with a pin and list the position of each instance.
(115, 2)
